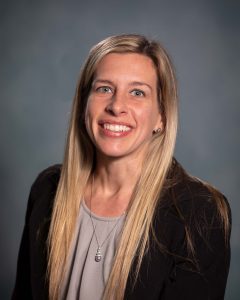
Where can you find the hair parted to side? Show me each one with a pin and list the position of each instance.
(79, 162)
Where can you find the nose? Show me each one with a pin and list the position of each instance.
(117, 104)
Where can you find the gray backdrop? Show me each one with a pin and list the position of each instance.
(44, 43)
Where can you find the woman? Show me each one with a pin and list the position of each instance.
(121, 219)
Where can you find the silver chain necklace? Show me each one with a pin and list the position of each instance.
(98, 255)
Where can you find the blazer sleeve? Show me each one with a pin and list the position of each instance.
(22, 289)
(206, 275)
(30, 280)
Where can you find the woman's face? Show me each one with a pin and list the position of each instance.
(122, 109)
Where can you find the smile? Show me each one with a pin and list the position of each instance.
(116, 127)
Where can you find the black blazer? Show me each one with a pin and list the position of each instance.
(165, 274)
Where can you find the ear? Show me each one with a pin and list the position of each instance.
(159, 124)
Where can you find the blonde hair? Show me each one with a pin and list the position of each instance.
(79, 161)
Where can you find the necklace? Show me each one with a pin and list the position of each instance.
(98, 255)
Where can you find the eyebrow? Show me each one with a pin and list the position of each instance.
(140, 84)
(102, 81)
(131, 83)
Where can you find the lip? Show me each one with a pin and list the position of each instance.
(114, 122)
(109, 133)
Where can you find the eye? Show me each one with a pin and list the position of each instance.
(138, 93)
(104, 89)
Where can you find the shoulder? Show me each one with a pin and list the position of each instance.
(43, 192)
(191, 214)
(188, 196)
(47, 179)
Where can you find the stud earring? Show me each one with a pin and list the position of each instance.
(158, 130)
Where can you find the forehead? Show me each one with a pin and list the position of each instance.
(132, 66)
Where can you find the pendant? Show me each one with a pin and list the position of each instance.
(98, 255)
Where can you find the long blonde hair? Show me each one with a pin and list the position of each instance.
(79, 161)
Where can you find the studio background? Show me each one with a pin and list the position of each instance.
(42, 47)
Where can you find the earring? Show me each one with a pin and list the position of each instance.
(158, 130)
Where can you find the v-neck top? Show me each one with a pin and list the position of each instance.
(85, 277)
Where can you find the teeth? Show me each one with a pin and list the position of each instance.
(116, 128)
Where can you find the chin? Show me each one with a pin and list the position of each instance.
(111, 154)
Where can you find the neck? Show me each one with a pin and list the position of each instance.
(117, 175)
(113, 184)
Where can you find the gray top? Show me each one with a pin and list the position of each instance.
(86, 278)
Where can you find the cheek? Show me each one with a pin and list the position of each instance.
(147, 117)
(92, 108)
(91, 115)
(88, 117)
